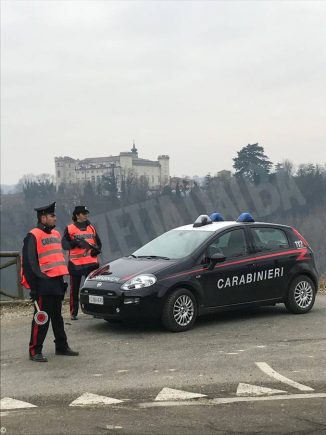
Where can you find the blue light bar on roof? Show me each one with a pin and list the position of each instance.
(245, 217)
(216, 217)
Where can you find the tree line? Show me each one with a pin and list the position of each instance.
(253, 170)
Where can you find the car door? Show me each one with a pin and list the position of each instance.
(228, 282)
(272, 261)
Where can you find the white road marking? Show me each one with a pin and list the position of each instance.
(272, 373)
(223, 400)
(123, 371)
(232, 353)
(257, 399)
(171, 403)
(8, 403)
(112, 427)
(170, 394)
(261, 346)
(255, 390)
(97, 375)
(87, 399)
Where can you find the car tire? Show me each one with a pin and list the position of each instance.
(301, 295)
(179, 311)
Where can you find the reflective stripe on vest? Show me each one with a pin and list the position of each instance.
(81, 256)
(53, 251)
(50, 255)
(49, 266)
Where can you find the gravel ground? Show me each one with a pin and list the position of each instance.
(24, 309)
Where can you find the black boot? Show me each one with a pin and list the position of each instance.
(67, 351)
(38, 357)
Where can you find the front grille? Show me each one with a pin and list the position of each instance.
(98, 292)
(101, 309)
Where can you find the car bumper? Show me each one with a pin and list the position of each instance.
(120, 304)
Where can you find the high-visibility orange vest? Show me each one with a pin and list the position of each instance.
(81, 256)
(50, 254)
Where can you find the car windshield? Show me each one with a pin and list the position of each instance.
(173, 244)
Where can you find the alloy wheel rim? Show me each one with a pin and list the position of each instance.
(303, 294)
(183, 310)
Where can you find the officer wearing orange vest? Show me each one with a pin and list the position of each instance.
(43, 268)
(84, 245)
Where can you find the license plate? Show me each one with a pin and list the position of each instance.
(96, 300)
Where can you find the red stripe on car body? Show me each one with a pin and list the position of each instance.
(302, 252)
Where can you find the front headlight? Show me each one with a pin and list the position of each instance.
(139, 281)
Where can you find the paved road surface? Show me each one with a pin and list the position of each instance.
(133, 364)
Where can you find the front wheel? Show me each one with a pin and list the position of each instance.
(179, 311)
(301, 295)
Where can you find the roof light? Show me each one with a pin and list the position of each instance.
(202, 220)
(245, 217)
(216, 217)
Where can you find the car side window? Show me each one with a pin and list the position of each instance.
(269, 239)
(230, 244)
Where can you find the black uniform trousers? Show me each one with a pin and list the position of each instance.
(75, 280)
(74, 293)
(52, 305)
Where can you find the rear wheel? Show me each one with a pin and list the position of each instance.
(179, 311)
(301, 295)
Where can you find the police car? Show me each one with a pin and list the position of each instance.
(205, 267)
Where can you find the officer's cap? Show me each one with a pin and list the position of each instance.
(47, 209)
(80, 209)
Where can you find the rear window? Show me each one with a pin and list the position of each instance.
(269, 239)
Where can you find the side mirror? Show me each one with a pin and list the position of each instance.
(214, 259)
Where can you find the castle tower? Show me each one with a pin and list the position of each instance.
(164, 162)
(65, 170)
(134, 150)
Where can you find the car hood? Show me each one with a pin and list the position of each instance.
(125, 268)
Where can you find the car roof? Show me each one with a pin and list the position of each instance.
(217, 226)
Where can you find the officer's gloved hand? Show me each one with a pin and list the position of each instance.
(95, 252)
(82, 243)
(33, 295)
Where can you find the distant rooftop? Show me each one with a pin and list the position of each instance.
(107, 159)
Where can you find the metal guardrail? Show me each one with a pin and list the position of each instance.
(15, 255)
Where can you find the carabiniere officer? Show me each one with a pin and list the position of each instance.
(43, 268)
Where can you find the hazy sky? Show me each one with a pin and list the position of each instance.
(196, 80)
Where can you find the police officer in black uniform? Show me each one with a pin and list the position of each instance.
(83, 256)
(43, 268)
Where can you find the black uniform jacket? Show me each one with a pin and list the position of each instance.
(37, 280)
(68, 244)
